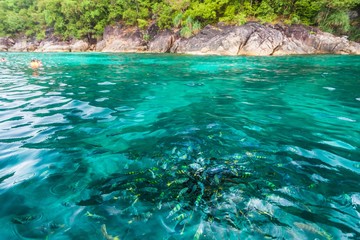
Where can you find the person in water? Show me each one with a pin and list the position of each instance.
(3, 60)
(35, 63)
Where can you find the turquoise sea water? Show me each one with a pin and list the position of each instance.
(128, 146)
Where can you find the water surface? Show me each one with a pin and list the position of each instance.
(128, 146)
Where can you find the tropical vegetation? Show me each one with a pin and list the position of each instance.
(88, 18)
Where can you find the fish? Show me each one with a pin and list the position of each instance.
(198, 200)
(313, 229)
(180, 217)
(178, 181)
(152, 174)
(202, 187)
(175, 210)
(199, 231)
(136, 199)
(160, 202)
(23, 219)
(141, 217)
(231, 222)
(106, 235)
(94, 216)
(245, 175)
(270, 185)
(140, 180)
(216, 179)
(135, 172)
(181, 172)
(182, 191)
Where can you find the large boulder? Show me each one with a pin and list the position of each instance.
(19, 46)
(80, 46)
(262, 41)
(100, 45)
(328, 43)
(50, 46)
(4, 45)
(299, 39)
(123, 39)
(219, 40)
(162, 42)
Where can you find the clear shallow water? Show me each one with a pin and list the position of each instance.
(179, 147)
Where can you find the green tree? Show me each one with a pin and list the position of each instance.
(88, 18)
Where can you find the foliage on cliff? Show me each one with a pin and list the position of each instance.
(87, 18)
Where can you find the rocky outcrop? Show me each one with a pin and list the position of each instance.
(263, 40)
(162, 42)
(249, 39)
(255, 39)
(301, 40)
(100, 45)
(80, 46)
(123, 39)
(213, 40)
(5, 43)
(49, 46)
(20, 45)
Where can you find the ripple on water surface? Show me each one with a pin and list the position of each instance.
(115, 146)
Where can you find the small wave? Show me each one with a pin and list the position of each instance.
(330, 88)
(106, 83)
(101, 99)
(346, 119)
(339, 144)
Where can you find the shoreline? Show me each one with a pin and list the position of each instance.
(250, 39)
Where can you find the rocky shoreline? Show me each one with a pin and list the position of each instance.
(251, 39)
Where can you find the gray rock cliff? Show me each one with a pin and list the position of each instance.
(249, 39)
